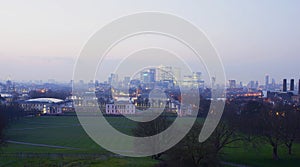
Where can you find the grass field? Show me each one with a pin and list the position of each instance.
(261, 155)
(62, 131)
(68, 162)
(56, 130)
(66, 131)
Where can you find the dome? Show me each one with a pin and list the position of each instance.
(45, 100)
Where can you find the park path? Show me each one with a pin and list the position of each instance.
(42, 145)
(74, 148)
(233, 164)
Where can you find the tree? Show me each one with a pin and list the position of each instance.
(190, 153)
(261, 122)
(2, 126)
(291, 126)
(151, 128)
(265, 123)
(8, 113)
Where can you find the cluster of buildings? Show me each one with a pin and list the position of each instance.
(166, 76)
(46, 105)
(128, 96)
(290, 95)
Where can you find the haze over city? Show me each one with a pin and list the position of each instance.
(42, 39)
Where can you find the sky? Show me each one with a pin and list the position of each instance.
(40, 40)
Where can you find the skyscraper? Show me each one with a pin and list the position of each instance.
(177, 73)
(113, 79)
(232, 84)
(284, 88)
(152, 74)
(164, 73)
(292, 85)
(267, 82)
(126, 81)
(299, 87)
(145, 76)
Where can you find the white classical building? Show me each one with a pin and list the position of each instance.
(45, 105)
(120, 108)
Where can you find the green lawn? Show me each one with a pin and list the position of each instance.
(63, 131)
(57, 130)
(261, 155)
(66, 131)
(68, 162)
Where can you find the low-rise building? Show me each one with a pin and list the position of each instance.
(120, 108)
(44, 105)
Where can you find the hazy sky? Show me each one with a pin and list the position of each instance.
(41, 39)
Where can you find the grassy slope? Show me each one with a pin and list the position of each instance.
(64, 131)
(118, 162)
(261, 155)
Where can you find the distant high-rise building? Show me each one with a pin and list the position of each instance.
(168, 73)
(9, 86)
(241, 84)
(273, 83)
(176, 73)
(113, 79)
(251, 85)
(152, 74)
(267, 82)
(164, 73)
(299, 87)
(232, 84)
(284, 88)
(81, 82)
(126, 81)
(213, 82)
(292, 85)
(134, 83)
(71, 82)
(195, 80)
(145, 76)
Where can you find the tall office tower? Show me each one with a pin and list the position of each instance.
(251, 85)
(267, 82)
(232, 84)
(256, 85)
(9, 85)
(213, 82)
(292, 85)
(273, 83)
(145, 76)
(126, 81)
(299, 87)
(198, 82)
(284, 88)
(113, 79)
(197, 76)
(241, 84)
(164, 73)
(177, 73)
(152, 73)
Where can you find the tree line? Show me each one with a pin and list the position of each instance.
(9, 113)
(254, 122)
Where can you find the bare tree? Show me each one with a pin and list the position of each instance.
(291, 126)
(151, 128)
